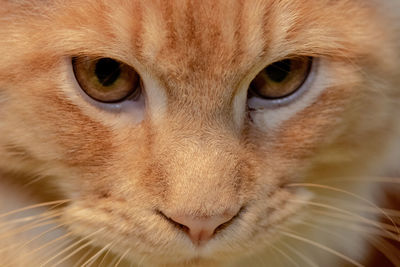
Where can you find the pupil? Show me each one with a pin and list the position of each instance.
(107, 71)
(279, 71)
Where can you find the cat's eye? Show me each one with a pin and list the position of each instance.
(281, 79)
(106, 80)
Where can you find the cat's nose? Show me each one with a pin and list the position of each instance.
(201, 229)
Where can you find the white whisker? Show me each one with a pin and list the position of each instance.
(70, 247)
(29, 227)
(45, 204)
(285, 255)
(83, 257)
(323, 247)
(122, 257)
(355, 225)
(307, 260)
(70, 254)
(20, 246)
(107, 253)
(349, 194)
(50, 243)
(27, 219)
(92, 259)
(329, 207)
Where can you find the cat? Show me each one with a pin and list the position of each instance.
(199, 133)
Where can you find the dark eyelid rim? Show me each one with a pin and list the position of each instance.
(132, 96)
(255, 102)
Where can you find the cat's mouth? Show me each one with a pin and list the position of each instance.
(202, 230)
(156, 237)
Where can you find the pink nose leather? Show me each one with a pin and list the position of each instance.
(201, 229)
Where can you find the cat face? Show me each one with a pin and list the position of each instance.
(181, 162)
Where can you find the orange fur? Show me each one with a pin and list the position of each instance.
(196, 148)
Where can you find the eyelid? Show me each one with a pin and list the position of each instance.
(110, 108)
(85, 68)
(257, 103)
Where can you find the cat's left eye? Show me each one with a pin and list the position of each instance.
(279, 81)
(106, 80)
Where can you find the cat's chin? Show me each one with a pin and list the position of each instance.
(171, 260)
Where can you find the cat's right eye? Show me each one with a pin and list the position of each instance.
(280, 82)
(106, 80)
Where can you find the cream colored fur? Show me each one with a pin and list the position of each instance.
(192, 146)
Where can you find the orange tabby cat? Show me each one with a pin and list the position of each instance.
(198, 133)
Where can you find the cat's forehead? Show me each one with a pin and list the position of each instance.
(194, 35)
(181, 37)
(203, 34)
(216, 37)
(203, 50)
(185, 43)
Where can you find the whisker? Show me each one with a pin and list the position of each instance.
(356, 225)
(390, 253)
(72, 246)
(26, 219)
(20, 246)
(47, 252)
(114, 260)
(285, 255)
(83, 258)
(376, 179)
(284, 232)
(58, 247)
(302, 256)
(395, 214)
(70, 254)
(388, 250)
(53, 241)
(50, 243)
(349, 194)
(276, 260)
(45, 204)
(107, 253)
(122, 257)
(141, 261)
(325, 206)
(28, 227)
(35, 180)
(320, 228)
(92, 259)
(42, 234)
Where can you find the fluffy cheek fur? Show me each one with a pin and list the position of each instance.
(117, 188)
(120, 177)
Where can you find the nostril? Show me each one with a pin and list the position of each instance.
(200, 229)
(180, 226)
